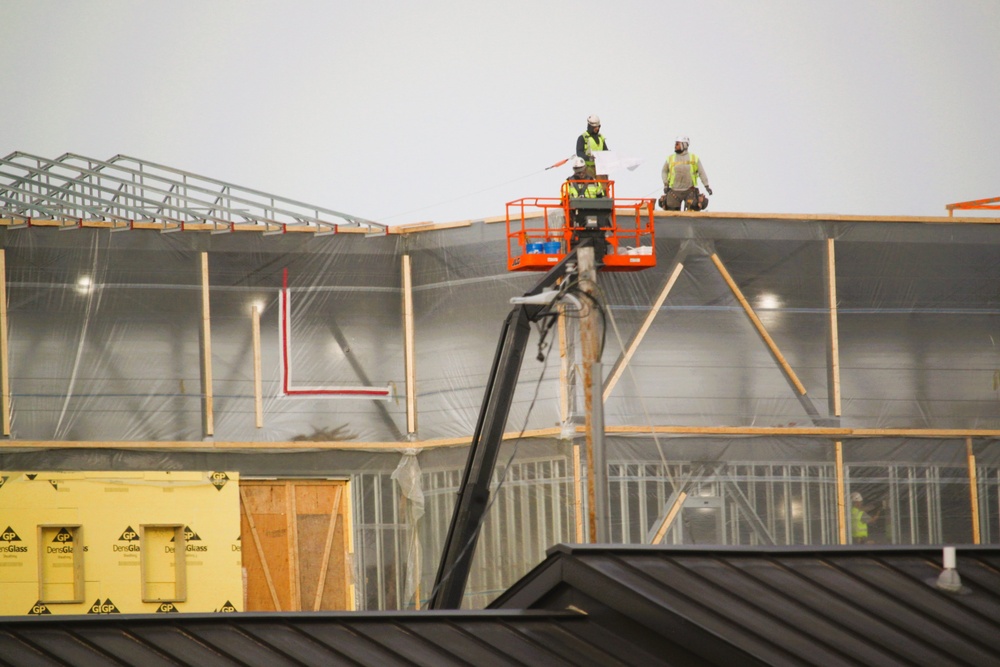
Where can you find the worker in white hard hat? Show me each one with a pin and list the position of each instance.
(589, 142)
(680, 175)
(580, 183)
(860, 520)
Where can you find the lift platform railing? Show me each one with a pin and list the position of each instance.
(542, 230)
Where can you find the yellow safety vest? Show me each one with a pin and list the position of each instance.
(859, 529)
(590, 144)
(587, 190)
(692, 161)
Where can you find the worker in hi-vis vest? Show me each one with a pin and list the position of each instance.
(589, 142)
(588, 189)
(860, 520)
(680, 175)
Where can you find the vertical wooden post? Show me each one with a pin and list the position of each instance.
(973, 490)
(292, 527)
(258, 392)
(4, 352)
(577, 494)
(206, 351)
(841, 494)
(409, 356)
(833, 349)
(590, 343)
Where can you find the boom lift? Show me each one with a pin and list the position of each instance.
(597, 223)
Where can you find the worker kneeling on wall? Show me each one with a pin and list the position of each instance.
(680, 179)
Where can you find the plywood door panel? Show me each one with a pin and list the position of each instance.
(295, 557)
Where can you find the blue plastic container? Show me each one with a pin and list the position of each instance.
(535, 248)
(552, 247)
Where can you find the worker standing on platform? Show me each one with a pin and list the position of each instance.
(589, 189)
(680, 179)
(590, 141)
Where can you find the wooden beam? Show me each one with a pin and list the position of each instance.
(578, 494)
(669, 518)
(258, 392)
(841, 493)
(725, 431)
(4, 350)
(208, 415)
(409, 353)
(973, 490)
(789, 373)
(833, 341)
(641, 333)
(292, 526)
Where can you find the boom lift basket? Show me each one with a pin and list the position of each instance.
(541, 230)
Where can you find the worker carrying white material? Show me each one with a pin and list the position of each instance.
(680, 175)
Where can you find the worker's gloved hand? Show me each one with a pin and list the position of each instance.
(665, 189)
(708, 189)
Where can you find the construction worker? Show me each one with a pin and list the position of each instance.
(680, 179)
(575, 188)
(860, 520)
(590, 141)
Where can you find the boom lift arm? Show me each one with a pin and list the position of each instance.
(474, 491)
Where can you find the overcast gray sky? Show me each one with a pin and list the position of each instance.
(446, 109)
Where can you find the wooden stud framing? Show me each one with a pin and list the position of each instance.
(258, 392)
(650, 316)
(758, 325)
(841, 494)
(409, 354)
(973, 490)
(206, 351)
(4, 352)
(834, 340)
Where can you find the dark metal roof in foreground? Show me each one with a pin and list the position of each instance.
(124, 190)
(381, 639)
(596, 605)
(783, 606)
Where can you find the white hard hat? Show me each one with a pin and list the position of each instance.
(593, 120)
(681, 139)
(579, 163)
(856, 497)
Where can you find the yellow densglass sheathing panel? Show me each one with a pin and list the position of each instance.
(108, 509)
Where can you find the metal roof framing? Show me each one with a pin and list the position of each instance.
(75, 189)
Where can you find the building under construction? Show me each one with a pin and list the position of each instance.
(282, 396)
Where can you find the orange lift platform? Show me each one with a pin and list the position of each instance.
(542, 230)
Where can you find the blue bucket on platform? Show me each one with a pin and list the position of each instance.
(552, 247)
(535, 248)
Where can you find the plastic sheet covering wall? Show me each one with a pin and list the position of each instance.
(117, 357)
